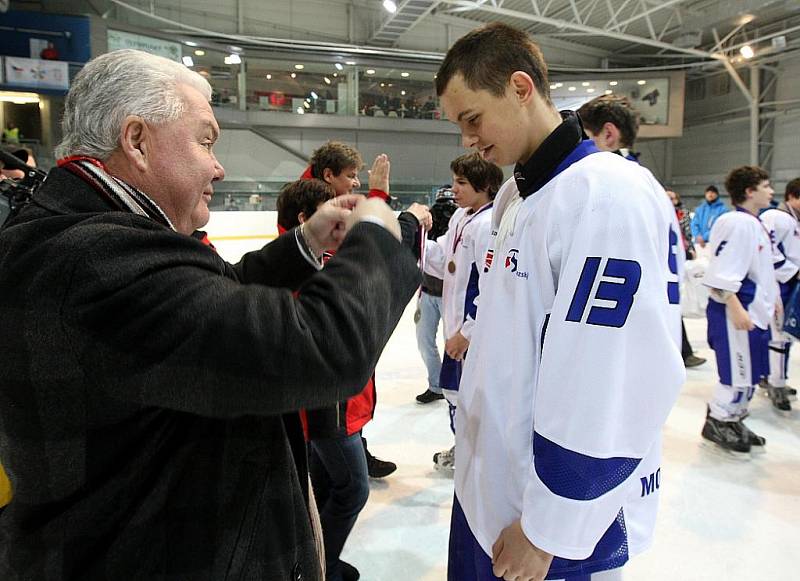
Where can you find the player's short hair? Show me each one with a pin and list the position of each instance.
(335, 155)
(792, 189)
(488, 56)
(482, 175)
(614, 109)
(711, 188)
(741, 178)
(301, 196)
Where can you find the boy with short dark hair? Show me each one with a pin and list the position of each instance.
(612, 123)
(744, 297)
(557, 441)
(299, 199)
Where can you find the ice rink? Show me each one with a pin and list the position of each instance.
(723, 516)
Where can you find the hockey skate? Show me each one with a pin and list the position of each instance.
(445, 461)
(779, 396)
(726, 435)
(746, 434)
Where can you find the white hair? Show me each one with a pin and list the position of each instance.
(115, 85)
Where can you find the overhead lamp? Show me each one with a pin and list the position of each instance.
(350, 63)
(18, 98)
(335, 74)
(236, 48)
(642, 82)
(233, 59)
(199, 52)
(571, 88)
(553, 87)
(747, 51)
(402, 93)
(314, 95)
(608, 91)
(269, 77)
(293, 75)
(585, 84)
(300, 111)
(390, 6)
(613, 83)
(338, 66)
(383, 84)
(370, 71)
(188, 61)
(327, 80)
(306, 104)
(405, 75)
(299, 67)
(590, 90)
(191, 43)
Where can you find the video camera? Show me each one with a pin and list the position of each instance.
(15, 194)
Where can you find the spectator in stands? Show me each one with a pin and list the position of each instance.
(706, 214)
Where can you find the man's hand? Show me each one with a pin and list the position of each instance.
(326, 229)
(739, 316)
(515, 558)
(700, 241)
(422, 214)
(379, 174)
(779, 314)
(374, 208)
(456, 346)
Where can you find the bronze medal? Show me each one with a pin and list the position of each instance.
(451, 267)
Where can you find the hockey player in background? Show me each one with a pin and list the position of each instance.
(575, 360)
(785, 236)
(743, 299)
(458, 257)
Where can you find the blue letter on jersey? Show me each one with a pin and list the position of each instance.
(621, 293)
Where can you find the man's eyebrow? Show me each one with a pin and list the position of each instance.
(463, 113)
(214, 130)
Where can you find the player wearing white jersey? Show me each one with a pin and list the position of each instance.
(743, 299)
(785, 237)
(575, 359)
(458, 258)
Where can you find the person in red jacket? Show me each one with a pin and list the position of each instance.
(339, 462)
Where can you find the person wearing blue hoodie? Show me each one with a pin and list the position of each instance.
(706, 214)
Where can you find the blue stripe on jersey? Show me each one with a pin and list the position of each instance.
(470, 308)
(780, 263)
(584, 148)
(747, 292)
(717, 335)
(467, 561)
(450, 375)
(577, 476)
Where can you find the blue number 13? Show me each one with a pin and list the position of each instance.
(621, 293)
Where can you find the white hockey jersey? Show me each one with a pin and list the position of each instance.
(457, 258)
(742, 262)
(574, 365)
(785, 238)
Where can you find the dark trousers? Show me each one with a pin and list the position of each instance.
(686, 348)
(338, 469)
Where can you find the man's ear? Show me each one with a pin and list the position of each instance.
(523, 86)
(133, 141)
(610, 134)
(327, 175)
(301, 217)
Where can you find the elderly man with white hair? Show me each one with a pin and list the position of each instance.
(148, 388)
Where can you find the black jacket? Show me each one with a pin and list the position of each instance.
(146, 390)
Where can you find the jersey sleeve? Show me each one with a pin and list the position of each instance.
(435, 256)
(610, 367)
(787, 242)
(478, 246)
(732, 243)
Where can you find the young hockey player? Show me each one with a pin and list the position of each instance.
(458, 257)
(575, 360)
(742, 303)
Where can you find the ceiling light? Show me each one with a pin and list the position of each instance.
(293, 75)
(402, 93)
(642, 82)
(338, 66)
(350, 63)
(383, 84)
(199, 52)
(300, 111)
(306, 104)
(608, 91)
(314, 95)
(553, 87)
(236, 48)
(405, 75)
(191, 43)
(269, 77)
(188, 61)
(613, 83)
(585, 84)
(390, 6)
(335, 74)
(370, 71)
(391, 84)
(747, 51)
(590, 90)
(18, 98)
(327, 80)
(233, 59)
(571, 88)
(299, 67)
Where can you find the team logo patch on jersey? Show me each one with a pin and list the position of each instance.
(511, 260)
(487, 263)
